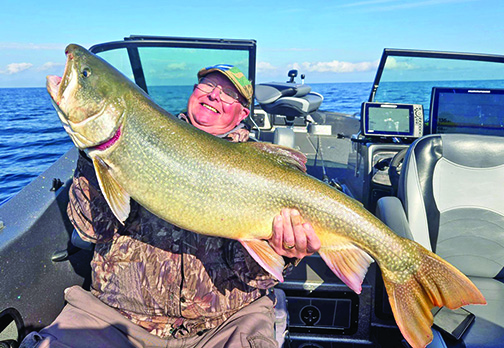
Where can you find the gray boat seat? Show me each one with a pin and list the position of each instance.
(451, 200)
(289, 99)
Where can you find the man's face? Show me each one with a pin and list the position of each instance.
(209, 113)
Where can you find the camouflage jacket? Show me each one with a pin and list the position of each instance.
(172, 282)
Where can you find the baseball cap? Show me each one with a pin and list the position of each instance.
(234, 75)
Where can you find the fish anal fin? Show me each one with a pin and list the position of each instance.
(283, 154)
(117, 198)
(348, 262)
(265, 256)
(436, 283)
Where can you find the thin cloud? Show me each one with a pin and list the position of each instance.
(393, 64)
(392, 5)
(335, 66)
(268, 70)
(176, 66)
(30, 46)
(50, 66)
(409, 5)
(366, 3)
(15, 68)
(263, 67)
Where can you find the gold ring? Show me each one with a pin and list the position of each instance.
(288, 247)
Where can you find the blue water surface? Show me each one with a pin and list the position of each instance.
(32, 138)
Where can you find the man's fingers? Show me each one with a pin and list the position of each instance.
(289, 241)
(299, 233)
(277, 237)
(292, 237)
(312, 240)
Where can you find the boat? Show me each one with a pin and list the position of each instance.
(419, 100)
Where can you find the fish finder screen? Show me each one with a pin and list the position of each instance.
(389, 120)
(392, 120)
(463, 110)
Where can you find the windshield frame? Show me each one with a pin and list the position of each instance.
(133, 42)
(392, 52)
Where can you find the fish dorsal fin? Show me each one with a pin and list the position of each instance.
(348, 262)
(283, 154)
(264, 255)
(117, 198)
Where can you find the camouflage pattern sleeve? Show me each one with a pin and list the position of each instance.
(246, 268)
(87, 208)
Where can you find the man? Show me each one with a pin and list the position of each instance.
(155, 285)
(220, 111)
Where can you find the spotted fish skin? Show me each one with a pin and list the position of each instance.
(234, 190)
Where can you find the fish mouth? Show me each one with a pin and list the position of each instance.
(91, 121)
(54, 82)
(53, 85)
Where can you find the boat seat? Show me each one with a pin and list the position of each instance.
(450, 200)
(289, 99)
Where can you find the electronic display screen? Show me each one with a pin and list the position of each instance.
(393, 120)
(465, 110)
(389, 120)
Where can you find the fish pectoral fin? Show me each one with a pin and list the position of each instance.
(283, 154)
(264, 255)
(117, 198)
(348, 262)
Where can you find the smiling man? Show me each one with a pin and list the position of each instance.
(220, 102)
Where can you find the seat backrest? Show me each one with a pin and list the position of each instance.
(452, 189)
(267, 93)
(288, 99)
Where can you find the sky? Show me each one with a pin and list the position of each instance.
(327, 40)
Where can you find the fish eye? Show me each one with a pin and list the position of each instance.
(86, 72)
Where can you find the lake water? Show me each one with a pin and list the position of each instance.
(32, 138)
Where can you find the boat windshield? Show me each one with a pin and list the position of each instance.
(166, 68)
(410, 79)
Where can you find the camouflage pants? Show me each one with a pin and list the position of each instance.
(87, 322)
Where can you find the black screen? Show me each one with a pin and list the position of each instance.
(464, 110)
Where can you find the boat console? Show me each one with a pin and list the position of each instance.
(387, 129)
(322, 310)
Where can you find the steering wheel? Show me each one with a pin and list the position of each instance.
(395, 169)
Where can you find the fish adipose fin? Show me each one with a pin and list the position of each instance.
(283, 154)
(435, 283)
(117, 198)
(264, 255)
(348, 262)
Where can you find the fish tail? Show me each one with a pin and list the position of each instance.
(435, 283)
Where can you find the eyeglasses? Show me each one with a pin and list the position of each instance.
(227, 95)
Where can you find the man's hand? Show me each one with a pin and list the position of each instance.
(239, 136)
(291, 237)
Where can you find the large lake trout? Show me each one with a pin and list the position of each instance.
(234, 190)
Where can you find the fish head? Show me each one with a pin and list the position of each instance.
(89, 97)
